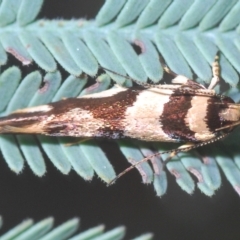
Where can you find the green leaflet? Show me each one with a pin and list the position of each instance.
(58, 49)
(174, 13)
(44, 229)
(80, 46)
(9, 81)
(216, 13)
(13, 45)
(38, 51)
(8, 11)
(35, 231)
(106, 14)
(32, 8)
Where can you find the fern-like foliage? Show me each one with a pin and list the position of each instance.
(44, 229)
(187, 34)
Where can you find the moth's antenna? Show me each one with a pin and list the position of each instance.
(127, 77)
(228, 126)
(140, 83)
(180, 90)
(175, 151)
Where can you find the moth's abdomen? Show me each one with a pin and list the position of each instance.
(97, 115)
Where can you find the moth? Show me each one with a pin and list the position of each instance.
(183, 111)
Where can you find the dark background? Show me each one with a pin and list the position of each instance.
(176, 215)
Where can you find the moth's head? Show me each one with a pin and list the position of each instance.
(231, 113)
(230, 116)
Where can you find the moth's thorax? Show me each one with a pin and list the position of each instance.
(171, 115)
(163, 115)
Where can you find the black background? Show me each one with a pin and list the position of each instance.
(176, 215)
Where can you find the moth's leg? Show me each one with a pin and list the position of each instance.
(182, 80)
(215, 72)
(168, 70)
(188, 146)
(184, 148)
(187, 83)
(139, 168)
(178, 79)
(79, 141)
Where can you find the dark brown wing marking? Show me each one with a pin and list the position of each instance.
(173, 118)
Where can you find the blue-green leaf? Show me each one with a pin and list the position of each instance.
(12, 45)
(38, 51)
(31, 8)
(109, 11)
(8, 11)
(42, 230)
(58, 49)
